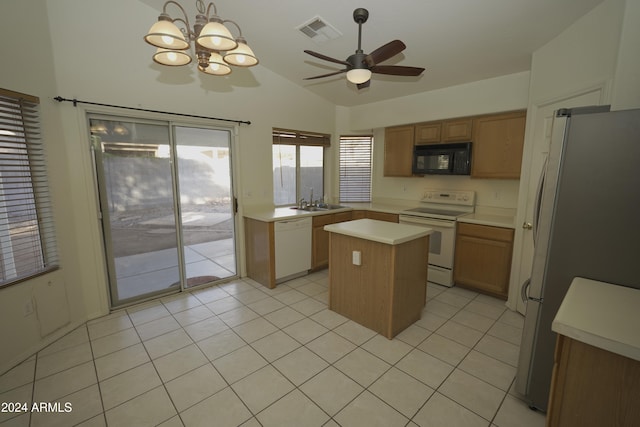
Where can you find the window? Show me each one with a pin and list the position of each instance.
(298, 166)
(355, 168)
(27, 237)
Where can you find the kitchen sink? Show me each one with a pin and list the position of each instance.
(320, 207)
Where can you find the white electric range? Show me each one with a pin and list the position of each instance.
(439, 210)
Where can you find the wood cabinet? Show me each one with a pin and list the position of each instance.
(592, 387)
(320, 238)
(428, 133)
(386, 292)
(380, 216)
(358, 214)
(458, 130)
(260, 251)
(483, 258)
(444, 131)
(498, 141)
(398, 150)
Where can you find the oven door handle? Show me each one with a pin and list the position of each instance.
(404, 219)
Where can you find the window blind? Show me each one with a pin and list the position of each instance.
(355, 168)
(27, 235)
(294, 137)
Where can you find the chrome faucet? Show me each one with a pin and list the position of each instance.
(311, 197)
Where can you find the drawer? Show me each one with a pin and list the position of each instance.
(320, 220)
(485, 231)
(342, 217)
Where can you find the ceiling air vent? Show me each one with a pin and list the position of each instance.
(319, 30)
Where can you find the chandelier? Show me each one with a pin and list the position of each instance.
(213, 44)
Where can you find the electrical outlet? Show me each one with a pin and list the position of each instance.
(356, 258)
(28, 308)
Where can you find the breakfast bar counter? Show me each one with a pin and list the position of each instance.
(378, 273)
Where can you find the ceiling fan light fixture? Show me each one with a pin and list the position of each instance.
(358, 75)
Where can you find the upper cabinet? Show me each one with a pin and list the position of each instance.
(458, 130)
(444, 131)
(498, 141)
(428, 133)
(398, 150)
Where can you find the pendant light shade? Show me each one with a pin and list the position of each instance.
(215, 36)
(166, 34)
(171, 57)
(216, 66)
(242, 56)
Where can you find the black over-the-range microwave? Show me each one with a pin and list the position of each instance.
(442, 159)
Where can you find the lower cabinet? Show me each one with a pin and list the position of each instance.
(380, 216)
(483, 258)
(260, 251)
(320, 238)
(592, 387)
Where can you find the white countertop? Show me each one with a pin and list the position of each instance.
(389, 233)
(603, 315)
(488, 219)
(276, 214)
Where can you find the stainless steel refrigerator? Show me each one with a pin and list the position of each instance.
(586, 224)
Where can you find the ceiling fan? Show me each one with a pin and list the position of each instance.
(359, 66)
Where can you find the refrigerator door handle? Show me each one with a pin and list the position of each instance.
(523, 290)
(536, 209)
(524, 294)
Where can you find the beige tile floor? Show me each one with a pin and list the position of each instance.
(241, 354)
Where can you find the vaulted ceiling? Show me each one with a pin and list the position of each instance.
(457, 41)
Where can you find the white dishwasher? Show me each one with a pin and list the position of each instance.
(293, 247)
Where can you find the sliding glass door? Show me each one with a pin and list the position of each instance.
(206, 204)
(166, 205)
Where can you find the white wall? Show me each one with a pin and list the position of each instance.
(28, 68)
(626, 94)
(82, 57)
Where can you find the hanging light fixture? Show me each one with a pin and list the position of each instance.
(214, 46)
(242, 55)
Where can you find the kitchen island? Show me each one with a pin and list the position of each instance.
(378, 273)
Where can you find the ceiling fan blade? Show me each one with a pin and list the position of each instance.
(384, 52)
(326, 75)
(397, 70)
(326, 58)
(364, 85)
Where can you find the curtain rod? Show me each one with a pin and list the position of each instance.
(76, 102)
